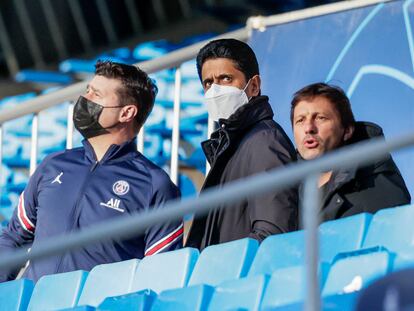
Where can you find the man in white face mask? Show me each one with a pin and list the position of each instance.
(248, 141)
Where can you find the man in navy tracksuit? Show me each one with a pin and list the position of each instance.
(105, 178)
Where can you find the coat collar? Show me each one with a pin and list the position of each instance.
(114, 152)
(257, 109)
(233, 128)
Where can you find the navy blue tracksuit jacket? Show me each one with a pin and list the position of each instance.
(70, 190)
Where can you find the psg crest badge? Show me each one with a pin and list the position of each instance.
(121, 187)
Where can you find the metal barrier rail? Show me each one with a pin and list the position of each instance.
(362, 153)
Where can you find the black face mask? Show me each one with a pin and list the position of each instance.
(86, 118)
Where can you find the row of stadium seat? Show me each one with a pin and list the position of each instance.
(241, 274)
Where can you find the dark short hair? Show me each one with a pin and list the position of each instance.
(138, 88)
(239, 52)
(333, 93)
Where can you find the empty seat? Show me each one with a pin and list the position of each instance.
(80, 308)
(392, 228)
(15, 295)
(227, 261)
(108, 280)
(279, 251)
(354, 271)
(403, 259)
(58, 291)
(287, 285)
(139, 301)
(191, 298)
(343, 235)
(288, 249)
(242, 294)
(166, 270)
(345, 302)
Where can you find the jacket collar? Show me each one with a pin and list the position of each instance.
(363, 131)
(257, 109)
(114, 152)
(233, 128)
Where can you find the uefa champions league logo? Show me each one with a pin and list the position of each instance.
(121, 187)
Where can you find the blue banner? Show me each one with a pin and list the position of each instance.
(369, 52)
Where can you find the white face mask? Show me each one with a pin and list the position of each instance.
(223, 100)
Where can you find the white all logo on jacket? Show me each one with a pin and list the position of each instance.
(121, 187)
(113, 204)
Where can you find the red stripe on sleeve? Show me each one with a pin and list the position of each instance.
(157, 247)
(23, 217)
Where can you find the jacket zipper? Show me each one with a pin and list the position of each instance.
(75, 209)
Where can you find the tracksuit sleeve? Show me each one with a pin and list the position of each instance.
(167, 236)
(277, 211)
(21, 228)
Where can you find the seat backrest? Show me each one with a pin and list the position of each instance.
(343, 235)
(279, 251)
(108, 280)
(288, 249)
(287, 285)
(335, 302)
(58, 291)
(352, 272)
(241, 294)
(139, 301)
(165, 270)
(191, 298)
(392, 228)
(227, 261)
(15, 295)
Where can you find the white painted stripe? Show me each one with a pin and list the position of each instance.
(163, 239)
(166, 245)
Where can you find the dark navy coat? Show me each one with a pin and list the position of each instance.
(70, 190)
(247, 143)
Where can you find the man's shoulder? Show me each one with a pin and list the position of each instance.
(268, 133)
(74, 153)
(156, 173)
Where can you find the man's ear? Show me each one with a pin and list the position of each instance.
(128, 113)
(254, 86)
(349, 131)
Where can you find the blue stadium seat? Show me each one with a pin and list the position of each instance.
(58, 291)
(279, 251)
(287, 285)
(392, 228)
(80, 308)
(354, 271)
(222, 262)
(343, 235)
(191, 298)
(345, 302)
(285, 250)
(15, 295)
(242, 294)
(108, 280)
(165, 271)
(77, 66)
(38, 76)
(139, 301)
